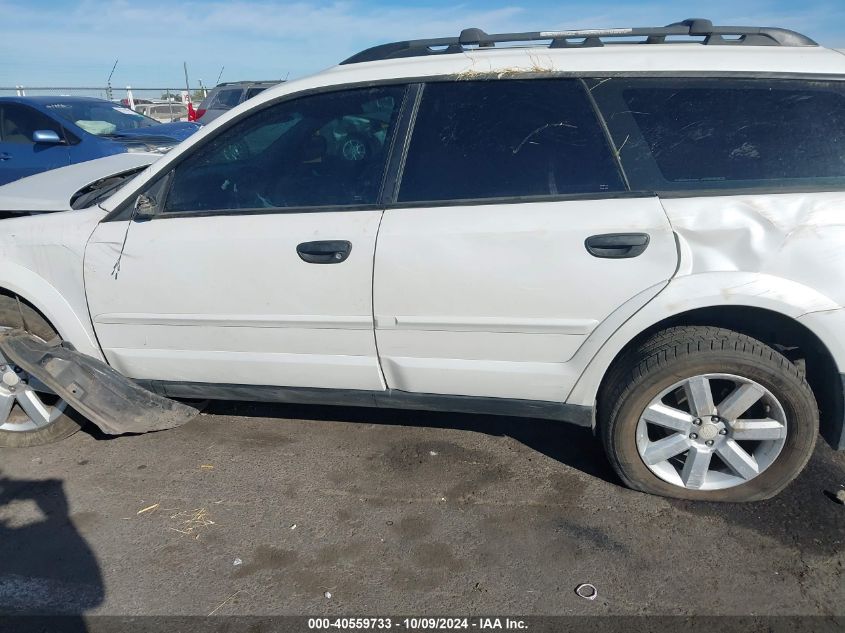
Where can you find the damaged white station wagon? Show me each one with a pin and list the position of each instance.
(636, 230)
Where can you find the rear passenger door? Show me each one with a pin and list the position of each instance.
(501, 251)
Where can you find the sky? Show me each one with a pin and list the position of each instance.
(76, 42)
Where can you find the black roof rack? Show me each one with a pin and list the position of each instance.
(248, 81)
(713, 35)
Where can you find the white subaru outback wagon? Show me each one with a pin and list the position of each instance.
(637, 230)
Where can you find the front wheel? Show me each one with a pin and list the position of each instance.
(707, 413)
(30, 414)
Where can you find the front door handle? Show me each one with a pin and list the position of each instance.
(325, 252)
(5, 156)
(617, 245)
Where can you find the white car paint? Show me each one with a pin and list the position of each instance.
(495, 299)
(41, 260)
(227, 299)
(224, 299)
(780, 252)
(828, 325)
(52, 190)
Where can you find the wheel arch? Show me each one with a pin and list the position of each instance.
(781, 331)
(38, 293)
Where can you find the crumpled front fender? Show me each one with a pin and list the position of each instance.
(107, 398)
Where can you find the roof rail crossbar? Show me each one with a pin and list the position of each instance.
(703, 30)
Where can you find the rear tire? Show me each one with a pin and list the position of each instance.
(61, 426)
(659, 387)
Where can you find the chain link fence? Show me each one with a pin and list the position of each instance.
(139, 95)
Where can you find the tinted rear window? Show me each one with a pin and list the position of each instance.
(506, 138)
(729, 134)
(225, 99)
(254, 91)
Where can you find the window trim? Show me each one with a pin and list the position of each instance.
(208, 213)
(124, 209)
(747, 191)
(396, 159)
(541, 199)
(596, 195)
(608, 137)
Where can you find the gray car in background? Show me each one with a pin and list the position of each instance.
(223, 97)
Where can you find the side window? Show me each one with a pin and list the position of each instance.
(18, 122)
(506, 138)
(254, 91)
(699, 134)
(226, 99)
(327, 149)
(169, 110)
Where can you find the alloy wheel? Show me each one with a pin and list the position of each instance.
(711, 431)
(26, 404)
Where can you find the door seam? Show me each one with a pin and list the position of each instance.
(373, 301)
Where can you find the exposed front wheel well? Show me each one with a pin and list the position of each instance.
(784, 334)
(15, 310)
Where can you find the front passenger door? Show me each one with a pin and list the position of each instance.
(20, 156)
(256, 268)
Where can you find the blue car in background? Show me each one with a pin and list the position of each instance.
(41, 133)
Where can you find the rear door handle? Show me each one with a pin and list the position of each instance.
(5, 156)
(324, 252)
(617, 245)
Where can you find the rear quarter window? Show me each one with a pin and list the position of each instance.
(692, 134)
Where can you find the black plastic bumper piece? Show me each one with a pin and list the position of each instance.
(107, 398)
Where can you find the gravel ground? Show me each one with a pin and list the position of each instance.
(260, 509)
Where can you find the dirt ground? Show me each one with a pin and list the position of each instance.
(260, 509)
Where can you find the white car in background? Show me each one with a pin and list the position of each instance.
(635, 230)
(163, 112)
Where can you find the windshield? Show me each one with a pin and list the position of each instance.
(101, 117)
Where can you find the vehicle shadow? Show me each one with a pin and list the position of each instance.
(569, 444)
(47, 568)
(806, 515)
